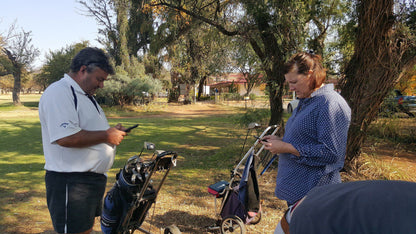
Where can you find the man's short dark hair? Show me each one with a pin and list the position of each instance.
(91, 57)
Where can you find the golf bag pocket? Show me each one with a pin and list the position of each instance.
(114, 210)
(218, 188)
(233, 206)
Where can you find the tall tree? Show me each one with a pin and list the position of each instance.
(122, 7)
(126, 28)
(21, 53)
(274, 29)
(195, 51)
(186, 57)
(384, 48)
(140, 29)
(104, 12)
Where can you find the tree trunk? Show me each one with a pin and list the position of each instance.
(16, 88)
(372, 71)
(272, 59)
(276, 107)
(275, 81)
(201, 87)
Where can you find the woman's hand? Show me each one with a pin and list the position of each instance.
(275, 145)
(272, 143)
(271, 137)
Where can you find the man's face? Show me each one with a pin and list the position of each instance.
(299, 83)
(93, 81)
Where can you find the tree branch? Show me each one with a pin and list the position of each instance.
(218, 26)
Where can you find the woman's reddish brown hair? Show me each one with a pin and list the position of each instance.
(305, 62)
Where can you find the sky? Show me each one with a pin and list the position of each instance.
(55, 24)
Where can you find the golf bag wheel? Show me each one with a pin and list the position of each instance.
(233, 224)
(172, 229)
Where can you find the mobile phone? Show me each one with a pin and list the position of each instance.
(130, 128)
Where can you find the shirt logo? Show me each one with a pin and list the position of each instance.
(64, 125)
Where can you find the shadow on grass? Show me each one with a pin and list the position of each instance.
(10, 105)
(208, 148)
(20, 137)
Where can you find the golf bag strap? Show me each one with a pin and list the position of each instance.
(284, 223)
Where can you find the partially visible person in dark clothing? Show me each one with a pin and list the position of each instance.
(379, 207)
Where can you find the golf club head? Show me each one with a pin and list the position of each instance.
(132, 160)
(131, 163)
(149, 146)
(253, 125)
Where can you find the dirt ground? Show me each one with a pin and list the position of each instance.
(397, 161)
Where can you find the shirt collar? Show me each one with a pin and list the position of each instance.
(325, 88)
(73, 83)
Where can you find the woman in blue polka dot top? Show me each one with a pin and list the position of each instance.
(312, 150)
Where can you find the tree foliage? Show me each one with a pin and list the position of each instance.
(274, 30)
(197, 55)
(6, 83)
(58, 63)
(104, 12)
(247, 63)
(325, 25)
(407, 82)
(6, 66)
(126, 29)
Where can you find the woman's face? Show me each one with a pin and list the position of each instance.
(299, 83)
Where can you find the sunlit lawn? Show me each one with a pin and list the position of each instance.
(208, 148)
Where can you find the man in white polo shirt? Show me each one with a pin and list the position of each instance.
(78, 143)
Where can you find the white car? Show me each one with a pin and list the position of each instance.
(292, 105)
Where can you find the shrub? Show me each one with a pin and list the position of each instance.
(132, 87)
(232, 96)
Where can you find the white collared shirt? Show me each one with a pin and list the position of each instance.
(62, 115)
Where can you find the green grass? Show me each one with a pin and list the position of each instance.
(203, 143)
